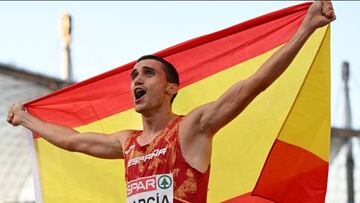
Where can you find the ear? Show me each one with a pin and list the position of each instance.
(172, 88)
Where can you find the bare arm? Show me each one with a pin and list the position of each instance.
(209, 118)
(94, 144)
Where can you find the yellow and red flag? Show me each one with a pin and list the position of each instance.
(275, 151)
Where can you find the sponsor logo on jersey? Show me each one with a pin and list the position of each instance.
(141, 185)
(151, 189)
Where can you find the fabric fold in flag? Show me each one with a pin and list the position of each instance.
(275, 151)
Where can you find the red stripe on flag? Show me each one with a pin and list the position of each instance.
(292, 174)
(109, 93)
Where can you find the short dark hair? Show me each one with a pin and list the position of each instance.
(171, 73)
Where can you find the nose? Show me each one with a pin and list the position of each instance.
(138, 83)
(138, 80)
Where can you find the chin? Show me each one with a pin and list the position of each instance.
(139, 108)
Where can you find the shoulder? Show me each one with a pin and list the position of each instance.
(123, 135)
(196, 114)
(195, 120)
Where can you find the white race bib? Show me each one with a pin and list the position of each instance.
(151, 189)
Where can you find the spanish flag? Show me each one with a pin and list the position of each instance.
(277, 150)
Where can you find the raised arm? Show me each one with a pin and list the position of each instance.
(209, 118)
(94, 144)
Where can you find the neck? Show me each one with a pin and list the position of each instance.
(155, 121)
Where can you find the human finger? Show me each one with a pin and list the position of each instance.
(328, 9)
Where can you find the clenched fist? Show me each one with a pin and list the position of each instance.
(15, 114)
(319, 14)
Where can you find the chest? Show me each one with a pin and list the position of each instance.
(154, 158)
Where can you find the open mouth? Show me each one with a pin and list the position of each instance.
(139, 93)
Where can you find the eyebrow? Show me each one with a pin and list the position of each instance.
(149, 68)
(144, 67)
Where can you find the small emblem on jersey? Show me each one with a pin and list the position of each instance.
(130, 148)
(157, 189)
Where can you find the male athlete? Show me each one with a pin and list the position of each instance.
(178, 147)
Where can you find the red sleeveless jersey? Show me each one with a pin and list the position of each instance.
(163, 155)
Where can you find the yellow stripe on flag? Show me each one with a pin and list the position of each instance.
(308, 124)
